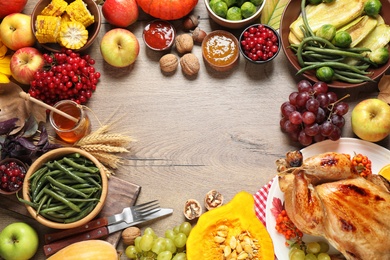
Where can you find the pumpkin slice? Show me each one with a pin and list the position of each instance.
(220, 231)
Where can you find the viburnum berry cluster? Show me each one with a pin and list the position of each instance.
(65, 75)
(287, 228)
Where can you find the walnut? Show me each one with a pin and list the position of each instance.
(169, 63)
(184, 43)
(130, 234)
(189, 64)
(192, 209)
(213, 199)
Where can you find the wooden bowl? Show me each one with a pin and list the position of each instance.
(291, 13)
(222, 59)
(19, 163)
(58, 154)
(234, 24)
(93, 29)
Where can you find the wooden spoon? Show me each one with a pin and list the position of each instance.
(27, 96)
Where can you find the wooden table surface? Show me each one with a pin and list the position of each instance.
(215, 131)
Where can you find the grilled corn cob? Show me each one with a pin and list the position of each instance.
(73, 35)
(79, 12)
(55, 8)
(47, 28)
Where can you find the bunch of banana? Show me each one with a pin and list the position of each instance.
(5, 70)
(64, 23)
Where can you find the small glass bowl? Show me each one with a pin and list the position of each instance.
(18, 179)
(269, 33)
(159, 35)
(220, 50)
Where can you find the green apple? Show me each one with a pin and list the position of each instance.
(119, 47)
(371, 120)
(18, 241)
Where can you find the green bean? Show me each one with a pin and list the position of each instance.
(41, 202)
(62, 199)
(28, 203)
(48, 216)
(40, 193)
(81, 186)
(347, 79)
(82, 200)
(84, 213)
(332, 64)
(353, 75)
(80, 166)
(54, 208)
(97, 184)
(35, 177)
(340, 53)
(68, 172)
(66, 188)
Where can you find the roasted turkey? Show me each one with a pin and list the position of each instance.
(325, 197)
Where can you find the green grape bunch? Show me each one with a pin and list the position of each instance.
(171, 246)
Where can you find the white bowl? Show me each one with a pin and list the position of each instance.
(234, 24)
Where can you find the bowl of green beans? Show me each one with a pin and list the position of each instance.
(350, 66)
(65, 188)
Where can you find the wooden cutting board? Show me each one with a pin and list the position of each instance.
(120, 194)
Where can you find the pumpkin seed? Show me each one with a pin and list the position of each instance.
(219, 239)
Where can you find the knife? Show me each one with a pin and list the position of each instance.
(100, 231)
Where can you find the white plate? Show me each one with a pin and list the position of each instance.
(378, 155)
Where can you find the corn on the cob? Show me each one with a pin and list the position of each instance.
(55, 8)
(47, 28)
(79, 12)
(65, 17)
(73, 35)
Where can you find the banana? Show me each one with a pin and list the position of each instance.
(5, 65)
(4, 78)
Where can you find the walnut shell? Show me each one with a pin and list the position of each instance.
(190, 64)
(184, 43)
(130, 234)
(192, 209)
(169, 63)
(213, 199)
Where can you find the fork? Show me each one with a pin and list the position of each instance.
(130, 214)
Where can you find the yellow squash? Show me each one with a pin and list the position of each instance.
(87, 250)
(337, 13)
(232, 228)
(360, 28)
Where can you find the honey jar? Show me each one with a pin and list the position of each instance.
(67, 129)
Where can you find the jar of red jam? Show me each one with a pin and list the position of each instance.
(159, 35)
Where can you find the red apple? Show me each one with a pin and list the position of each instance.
(9, 7)
(24, 63)
(16, 32)
(119, 47)
(121, 13)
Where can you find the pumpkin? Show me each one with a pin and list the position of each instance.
(167, 9)
(87, 250)
(217, 228)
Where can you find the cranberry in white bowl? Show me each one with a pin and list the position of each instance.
(259, 43)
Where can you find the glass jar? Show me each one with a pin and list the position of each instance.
(67, 129)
